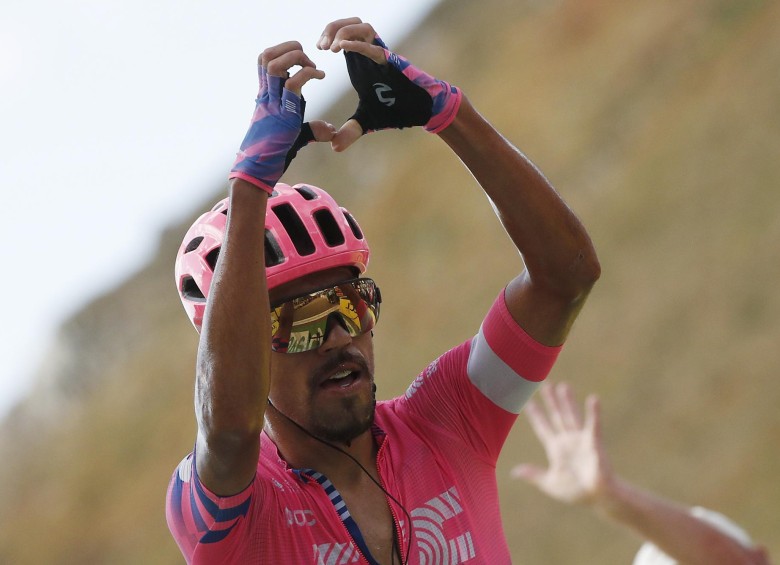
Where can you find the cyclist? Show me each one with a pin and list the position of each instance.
(295, 461)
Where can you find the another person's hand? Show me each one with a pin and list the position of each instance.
(579, 472)
(277, 131)
(392, 92)
(578, 467)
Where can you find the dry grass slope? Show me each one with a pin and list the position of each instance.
(658, 123)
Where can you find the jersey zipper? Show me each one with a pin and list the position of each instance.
(396, 522)
(363, 558)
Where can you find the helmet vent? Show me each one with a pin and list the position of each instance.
(306, 192)
(193, 245)
(189, 288)
(329, 228)
(212, 257)
(273, 253)
(295, 229)
(353, 225)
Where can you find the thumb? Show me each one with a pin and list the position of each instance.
(529, 473)
(322, 131)
(348, 134)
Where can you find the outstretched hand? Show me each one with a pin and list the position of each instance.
(578, 466)
(392, 92)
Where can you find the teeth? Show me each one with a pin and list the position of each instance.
(339, 375)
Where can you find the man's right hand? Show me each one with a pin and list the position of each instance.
(275, 134)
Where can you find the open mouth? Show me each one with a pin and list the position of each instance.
(341, 380)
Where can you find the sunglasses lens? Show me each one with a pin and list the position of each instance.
(301, 324)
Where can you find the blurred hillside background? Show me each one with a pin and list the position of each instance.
(657, 122)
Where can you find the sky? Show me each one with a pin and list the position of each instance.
(113, 117)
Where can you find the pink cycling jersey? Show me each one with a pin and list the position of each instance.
(438, 447)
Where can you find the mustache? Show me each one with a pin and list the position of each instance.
(340, 358)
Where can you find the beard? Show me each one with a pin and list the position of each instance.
(334, 420)
(343, 423)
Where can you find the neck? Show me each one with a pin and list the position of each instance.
(301, 449)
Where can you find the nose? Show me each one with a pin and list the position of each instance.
(336, 335)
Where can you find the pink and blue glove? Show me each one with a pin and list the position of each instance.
(399, 95)
(275, 135)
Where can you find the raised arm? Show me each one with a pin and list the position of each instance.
(579, 473)
(232, 379)
(232, 370)
(560, 262)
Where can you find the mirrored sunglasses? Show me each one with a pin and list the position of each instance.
(301, 323)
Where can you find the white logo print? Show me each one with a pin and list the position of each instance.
(299, 517)
(291, 106)
(418, 382)
(335, 553)
(428, 522)
(380, 89)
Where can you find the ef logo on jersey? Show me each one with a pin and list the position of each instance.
(380, 89)
(299, 517)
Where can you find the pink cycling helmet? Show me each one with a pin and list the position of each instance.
(305, 231)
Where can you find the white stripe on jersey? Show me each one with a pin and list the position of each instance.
(495, 379)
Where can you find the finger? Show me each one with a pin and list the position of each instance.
(570, 412)
(348, 134)
(593, 417)
(539, 423)
(263, 79)
(279, 66)
(323, 131)
(295, 83)
(275, 89)
(332, 29)
(553, 410)
(373, 52)
(272, 53)
(361, 32)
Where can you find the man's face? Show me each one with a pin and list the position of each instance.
(329, 390)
